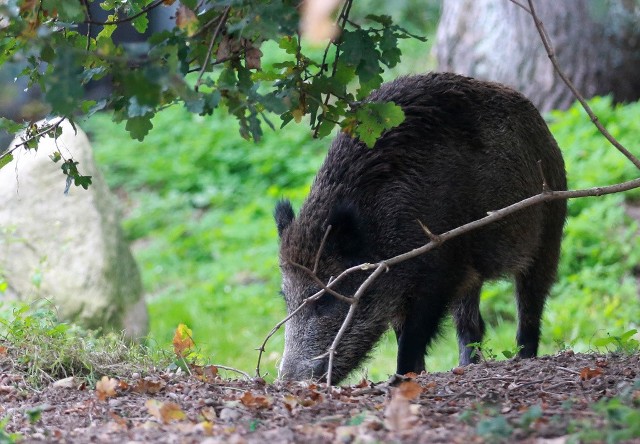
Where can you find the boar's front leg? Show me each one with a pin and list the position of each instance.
(420, 326)
(469, 324)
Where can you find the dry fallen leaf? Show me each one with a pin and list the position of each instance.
(398, 416)
(182, 340)
(207, 373)
(119, 420)
(409, 390)
(310, 397)
(208, 414)
(252, 401)
(149, 386)
(106, 388)
(290, 402)
(3, 350)
(70, 382)
(204, 427)
(589, 373)
(165, 411)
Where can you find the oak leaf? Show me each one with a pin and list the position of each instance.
(148, 386)
(252, 58)
(590, 373)
(409, 390)
(106, 388)
(186, 20)
(165, 411)
(182, 340)
(252, 401)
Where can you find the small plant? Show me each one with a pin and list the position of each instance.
(496, 429)
(512, 353)
(625, 343)
(6, 437)
(482, 350)
(621, 416)
(530, 416)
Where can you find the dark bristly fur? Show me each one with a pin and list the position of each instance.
(466, 147)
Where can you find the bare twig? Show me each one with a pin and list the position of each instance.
(318, 281)
(273, 331)
(324, 239)
(382, 267)
(432, 237)
(223, 19)
(344, 16)
(88, 13)
(568, 370)
(231, 369)
(545, 185)
(144, 10)
(546, 41)
(46, 129)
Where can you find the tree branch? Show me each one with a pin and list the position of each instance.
(223, 19)
(318, 281)
(47, 129)
(144, 10)
(356, 298)
(546, 41)
(324, 239)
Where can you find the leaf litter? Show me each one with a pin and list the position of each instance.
(548, 399)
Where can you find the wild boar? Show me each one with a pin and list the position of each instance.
(465, 148)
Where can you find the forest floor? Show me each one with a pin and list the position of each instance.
(568, 397)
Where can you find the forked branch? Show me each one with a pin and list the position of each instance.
(546, 41)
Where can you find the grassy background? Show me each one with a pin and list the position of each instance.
(198, 201)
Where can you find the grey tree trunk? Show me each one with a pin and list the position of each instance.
(597, 44)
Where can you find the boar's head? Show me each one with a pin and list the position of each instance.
(310, 333)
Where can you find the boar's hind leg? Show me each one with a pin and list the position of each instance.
(469, 323)
(532, 289)
(417, 331)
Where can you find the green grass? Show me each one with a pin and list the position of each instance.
(43, 349)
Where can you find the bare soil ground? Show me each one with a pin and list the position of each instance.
(551, 399)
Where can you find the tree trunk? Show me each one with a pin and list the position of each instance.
(597, 44)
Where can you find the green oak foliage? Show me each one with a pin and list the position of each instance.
(207, 57)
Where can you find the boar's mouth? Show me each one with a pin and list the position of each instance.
(313, 369)
(302, 370)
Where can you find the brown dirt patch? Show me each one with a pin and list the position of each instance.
(547, 399)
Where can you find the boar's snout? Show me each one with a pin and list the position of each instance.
(300, 370)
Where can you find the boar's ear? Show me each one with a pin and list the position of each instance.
(347, 235)
(283, 214)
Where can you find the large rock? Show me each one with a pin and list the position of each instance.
(68, 248)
